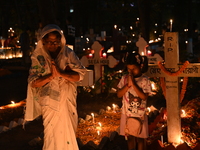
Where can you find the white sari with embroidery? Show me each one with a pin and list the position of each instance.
(55, 101)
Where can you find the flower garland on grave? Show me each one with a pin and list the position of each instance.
(185, 79)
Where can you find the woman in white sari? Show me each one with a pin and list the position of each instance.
(52, 90)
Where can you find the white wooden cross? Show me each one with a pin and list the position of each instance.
(141, 44)
(98, 61)
(172, 84)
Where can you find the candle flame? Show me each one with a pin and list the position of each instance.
(100, 124)
(98, 132)
(12, 102)
(183, 113)
(149, 109)
(153, 86)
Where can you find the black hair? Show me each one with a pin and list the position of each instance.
(136, 59)
(58, 35)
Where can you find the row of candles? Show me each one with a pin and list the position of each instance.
(11, 105)
(9, 53)
(109, 109)
(90, 55)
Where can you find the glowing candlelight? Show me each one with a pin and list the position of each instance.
(100, 126)
(153, 86)
(114, 106)
(98, 133)
(92, 114)
(149, 52)
(115, 26)
(149, 109)
(171, 21)
(108, 108)
(183, 114)
(90, 55)
(13, 104)
(142, 53)
(104, 55)
(162, 139)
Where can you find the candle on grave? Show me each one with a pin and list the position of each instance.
(99, 128)
(148, 110)
(153, 86)
(162, 139)
(108, 108)
(98, 133)
(13, 104)
(114, 106)
(104, 55)
(149, 53)
(171, 21)
(183, 114)
(92, 114)
(90, 55)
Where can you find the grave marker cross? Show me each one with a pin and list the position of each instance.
(172, 84)
(98, 61)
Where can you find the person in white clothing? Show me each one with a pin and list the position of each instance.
(52, 82)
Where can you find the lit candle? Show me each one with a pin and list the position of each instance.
(162, 139)
(100, 126)
(149, 52)
(92, 114)
(98, 133)
(90, 55)
(183, 113)
(171, 21)
(108, 108)
(148, 109)
(104, 55)
(153, 86)
(13, 104)
(114, 107)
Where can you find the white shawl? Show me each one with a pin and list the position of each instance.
(41, 65)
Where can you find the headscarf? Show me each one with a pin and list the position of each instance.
(50, 28)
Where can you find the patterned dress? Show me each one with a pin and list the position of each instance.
(132, 105)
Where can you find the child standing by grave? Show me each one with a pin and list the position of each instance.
(134, 87)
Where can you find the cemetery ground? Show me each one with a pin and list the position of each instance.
(13, 82)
